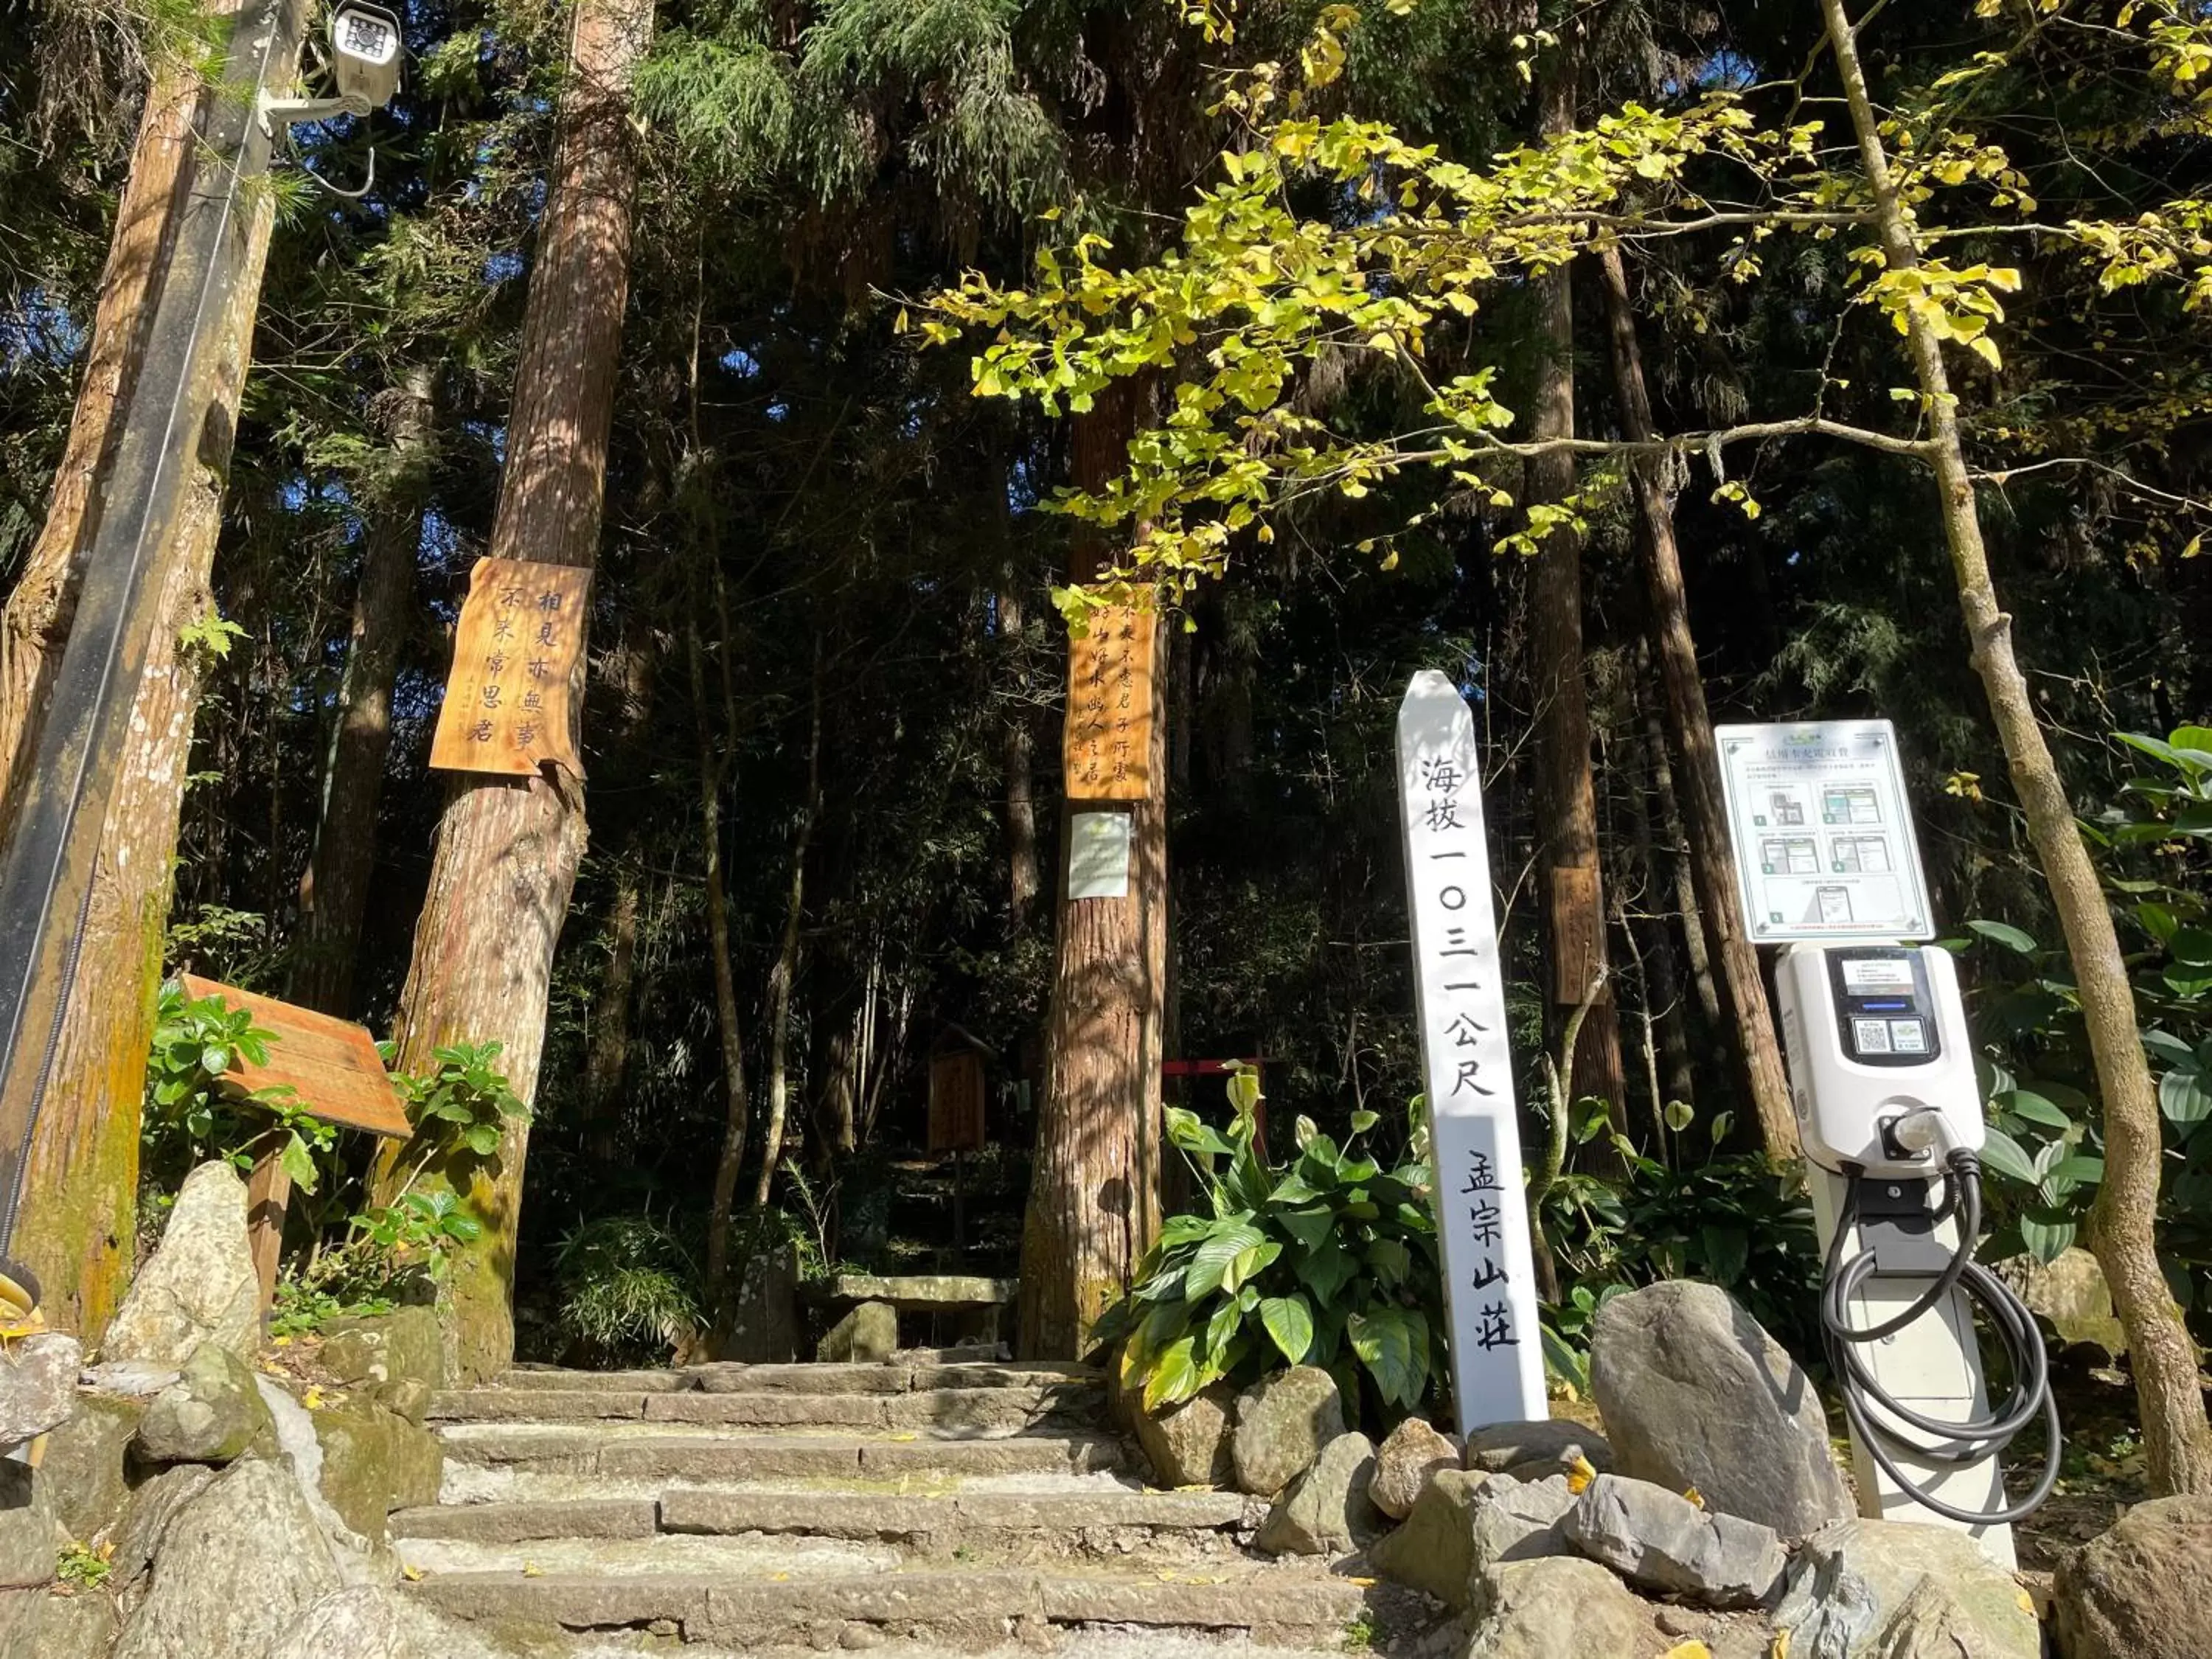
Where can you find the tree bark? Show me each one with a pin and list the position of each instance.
(36, 624)
(1017, 747)
(1094, 1194)
(78, 1229)
(785, 974)
(1696, 947)
(1759, 1052)
(507, 848)
(2177, 1438)
(334, 891)
(736, 1109)
(606, 1057)
(1566, 794)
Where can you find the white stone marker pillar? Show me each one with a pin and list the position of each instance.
(1482, 1213)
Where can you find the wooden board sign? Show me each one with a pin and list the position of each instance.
(955, 1102)
(1107, 744)
(515, 654)
(331, 1064)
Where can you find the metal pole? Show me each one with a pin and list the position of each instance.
(172, 426)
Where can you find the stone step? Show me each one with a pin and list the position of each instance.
(960, 1408)
(1274, 1604)
(1087, 1521)
(903, 1375)
(662, 1452)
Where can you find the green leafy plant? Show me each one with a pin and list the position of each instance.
(462, 1106)
(85, 1566)
(1326, 1260)
(629, 1288)
(2154, 845)
(193, 1111)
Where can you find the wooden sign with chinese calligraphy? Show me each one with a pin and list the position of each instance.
(956, 1102)
(1109, 741)
(330, 1065)
(1474, 1139)
(514, 657)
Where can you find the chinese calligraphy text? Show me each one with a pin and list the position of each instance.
(520, 637)
(1109, 740)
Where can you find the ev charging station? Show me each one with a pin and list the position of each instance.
(1881, 1077)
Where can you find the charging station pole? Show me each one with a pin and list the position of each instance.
(1888, 1108)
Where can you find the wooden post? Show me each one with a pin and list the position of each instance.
(268, 1190)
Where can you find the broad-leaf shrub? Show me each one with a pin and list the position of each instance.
(1326, 1259)
(193, 1113)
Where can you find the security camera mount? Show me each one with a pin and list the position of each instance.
(364, 53)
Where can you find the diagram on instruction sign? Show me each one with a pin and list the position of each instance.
(1824, 844)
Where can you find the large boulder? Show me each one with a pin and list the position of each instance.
(1465, 1524)
(1411, 1456)
(199, 1286)
(361, 1557)
(2143, 1589)
(1856, 1589)
(211, 1415)
(374, 1461)
(1667, 1543)
(37, 1385)
(1558, 1608)
(154, 1504)
(1433, 1551)
(36, 1624)
(1325, 1511)
(1187, 1445)
(1282, 1423)
(366, 1621)
(1695, 1393)
(84, 1463)
(255, 1563)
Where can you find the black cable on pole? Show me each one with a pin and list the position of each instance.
(1975, 1438)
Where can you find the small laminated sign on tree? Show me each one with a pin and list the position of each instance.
(515, 653)
(1109, 740)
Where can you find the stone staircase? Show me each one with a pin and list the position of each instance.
(929, 1502)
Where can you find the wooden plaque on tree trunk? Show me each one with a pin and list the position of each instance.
(515, 653)
(330, 1065)
(955, 1102)
(1109, 741)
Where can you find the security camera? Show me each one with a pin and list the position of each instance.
(365, 53)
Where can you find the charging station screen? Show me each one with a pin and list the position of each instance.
(1875, 977)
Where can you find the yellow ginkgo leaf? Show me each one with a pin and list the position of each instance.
(531, 1570)
(1691, 1649)
(412, 1575)
(1580, 1472)
(1781, 1648)
(1694, 1495)
(314, 1399)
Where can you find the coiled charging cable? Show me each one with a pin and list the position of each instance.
(1977, 1439)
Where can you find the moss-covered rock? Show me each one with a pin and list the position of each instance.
(374, 1460)
(400, 1357)
(211, 1415)
(83, 1467)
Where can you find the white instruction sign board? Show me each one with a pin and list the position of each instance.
(1474, 1139)
(1821, 832)
(1099, 855)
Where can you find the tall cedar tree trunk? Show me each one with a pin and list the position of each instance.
(334, 891)
(1690, 723)
(2177, 1438)
(1566, 796)
(78, 1224)
(785, 974)
(1095, 1192)
(736, 1117)
(1695, 944)
(507, 848)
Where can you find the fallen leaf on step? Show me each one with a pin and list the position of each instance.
(1689, 1650)
(1694, 1495)
(412, 1575)
(1580, 1472)
(531, 1570)
(313, 1403)
(1363, 1584)
(1781, 1648)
